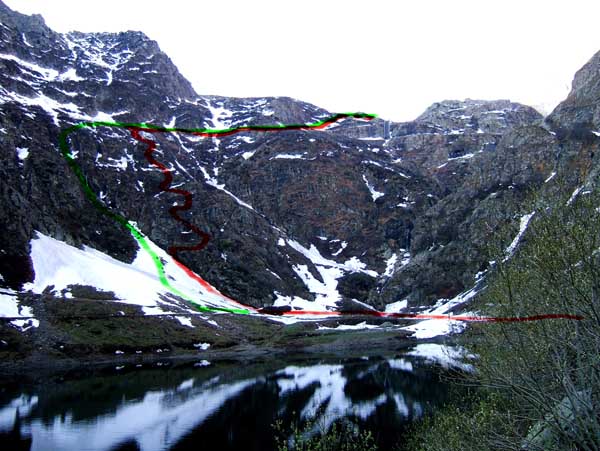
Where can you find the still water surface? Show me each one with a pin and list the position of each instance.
(223, 406)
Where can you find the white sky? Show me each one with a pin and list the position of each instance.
(392, 58)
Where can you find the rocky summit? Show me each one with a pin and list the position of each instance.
(358, 214)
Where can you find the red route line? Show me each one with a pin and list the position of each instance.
(165, 185)
(484, 319)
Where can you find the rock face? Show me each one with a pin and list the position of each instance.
(375, 211)
(581, 109)
(576, 124)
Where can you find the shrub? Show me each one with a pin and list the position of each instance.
(540, 380)
(314, 436)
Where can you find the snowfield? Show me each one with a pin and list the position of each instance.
(59, 264)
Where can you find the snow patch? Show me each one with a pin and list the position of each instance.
(185, 321)
(340, 250)
(22, 153)
(171, 123)
(550, 177)
(329, 270)
(390, 265)
(374, 193)
(287, 156)
(70, 75)
(25, 41)
(296, 303)
(574, 195)
(326, 291)
(522, 227)
(359, 326)
(466, 156)
(396, 307)
(101, 116)
(220, 116)
(274, 274)
(313, 254)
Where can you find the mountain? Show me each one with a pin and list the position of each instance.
(356, 215)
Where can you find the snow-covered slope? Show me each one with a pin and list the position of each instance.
(60, 266)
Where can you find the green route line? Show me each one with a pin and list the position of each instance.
(137, 235)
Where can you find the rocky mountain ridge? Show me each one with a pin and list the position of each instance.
(378, 212)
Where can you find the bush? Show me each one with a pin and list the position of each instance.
(461, 424)
(342, 436)
(540, 379)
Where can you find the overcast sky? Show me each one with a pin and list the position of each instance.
(392, 58)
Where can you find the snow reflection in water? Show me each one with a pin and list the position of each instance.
(226, 406)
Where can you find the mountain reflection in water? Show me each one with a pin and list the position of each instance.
(225, 406)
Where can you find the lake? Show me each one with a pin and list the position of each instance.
(224, 405)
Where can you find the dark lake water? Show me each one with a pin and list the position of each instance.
(219, 406)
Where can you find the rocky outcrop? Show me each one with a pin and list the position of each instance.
(580, 111)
